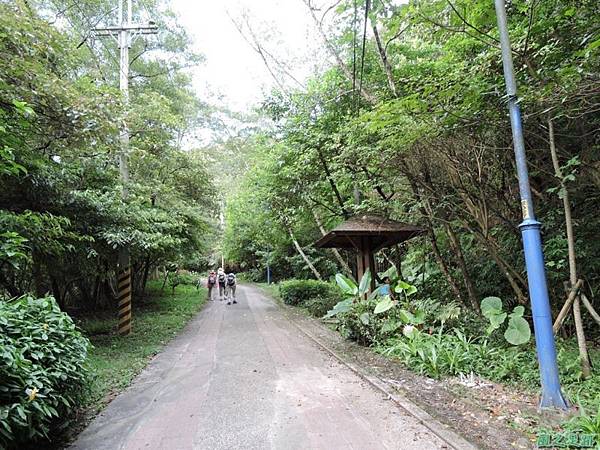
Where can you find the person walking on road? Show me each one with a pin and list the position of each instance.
(231, 285)
(222, 279)
(210, 283)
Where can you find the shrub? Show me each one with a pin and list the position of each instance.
(183, 278)
(42, 368)
(299, 292)
(359, 323)
(587, 422)
(452, 353)
(319, 306)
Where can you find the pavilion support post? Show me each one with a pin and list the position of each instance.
(365, 261)
(360, 261)
(373, 269)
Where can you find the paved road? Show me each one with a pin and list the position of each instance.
(243, 377)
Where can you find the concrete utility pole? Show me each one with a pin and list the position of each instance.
(532, 242)
(124, 33)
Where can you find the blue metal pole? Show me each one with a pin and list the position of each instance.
(532, 241)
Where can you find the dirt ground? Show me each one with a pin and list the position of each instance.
(490, 415)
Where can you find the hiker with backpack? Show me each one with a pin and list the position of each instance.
(221, 279)
(210, 283)
(231, 285)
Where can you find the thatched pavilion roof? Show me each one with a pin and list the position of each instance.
(378, 231)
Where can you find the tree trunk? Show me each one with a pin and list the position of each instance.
(389, 260)
(456, 247)
(583, 352)
(398, 259)
(590, 308)
(145, 276)
(162, 288)
(504, 267)
(38, 276)
(566, 206)
(365, 94)
(565, 309)
(384, 60)
(335, 251)
(441, 263)
(334, 187)
(428, 215)
(57, 293)
(304, 257)
(586, 368)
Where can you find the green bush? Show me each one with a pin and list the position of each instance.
(298, 292)
(183, 278)
(452, 352)
(42, 368)
(367, 323)
(319, 306)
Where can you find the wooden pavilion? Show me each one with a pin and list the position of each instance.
(368, 234)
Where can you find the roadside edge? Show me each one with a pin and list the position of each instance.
(443, 432)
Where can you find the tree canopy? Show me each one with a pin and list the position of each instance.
(416, 129)
(61, 110)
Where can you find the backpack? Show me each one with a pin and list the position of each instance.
(212, 279)
(222, 278)
(230, 279)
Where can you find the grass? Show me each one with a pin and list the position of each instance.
(271, 289)
(116, 360)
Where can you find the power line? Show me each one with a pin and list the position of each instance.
(146, 7)
(354, 57)
(364, 44)
(85, 38)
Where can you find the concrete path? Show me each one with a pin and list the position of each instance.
(243, 377)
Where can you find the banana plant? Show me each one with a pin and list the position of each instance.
(349, 287)
(352, 292)
(387, 302)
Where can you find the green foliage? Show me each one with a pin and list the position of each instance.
(586, 422)
(61, 207)
(340, 307)
(365, 283)
(424, 142)
(383, 305)
(347, 285)
(182, 278)
(12, 249)
(42, 373)
(404, 288)
(321, 305)
(517, 331)
(444, 353)
(401, 287)
(357, 321)
(114, 360)
(301, 292)
(491, 308)
(433, 355)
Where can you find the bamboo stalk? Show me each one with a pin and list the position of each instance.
(566, 307)
(590, 308)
